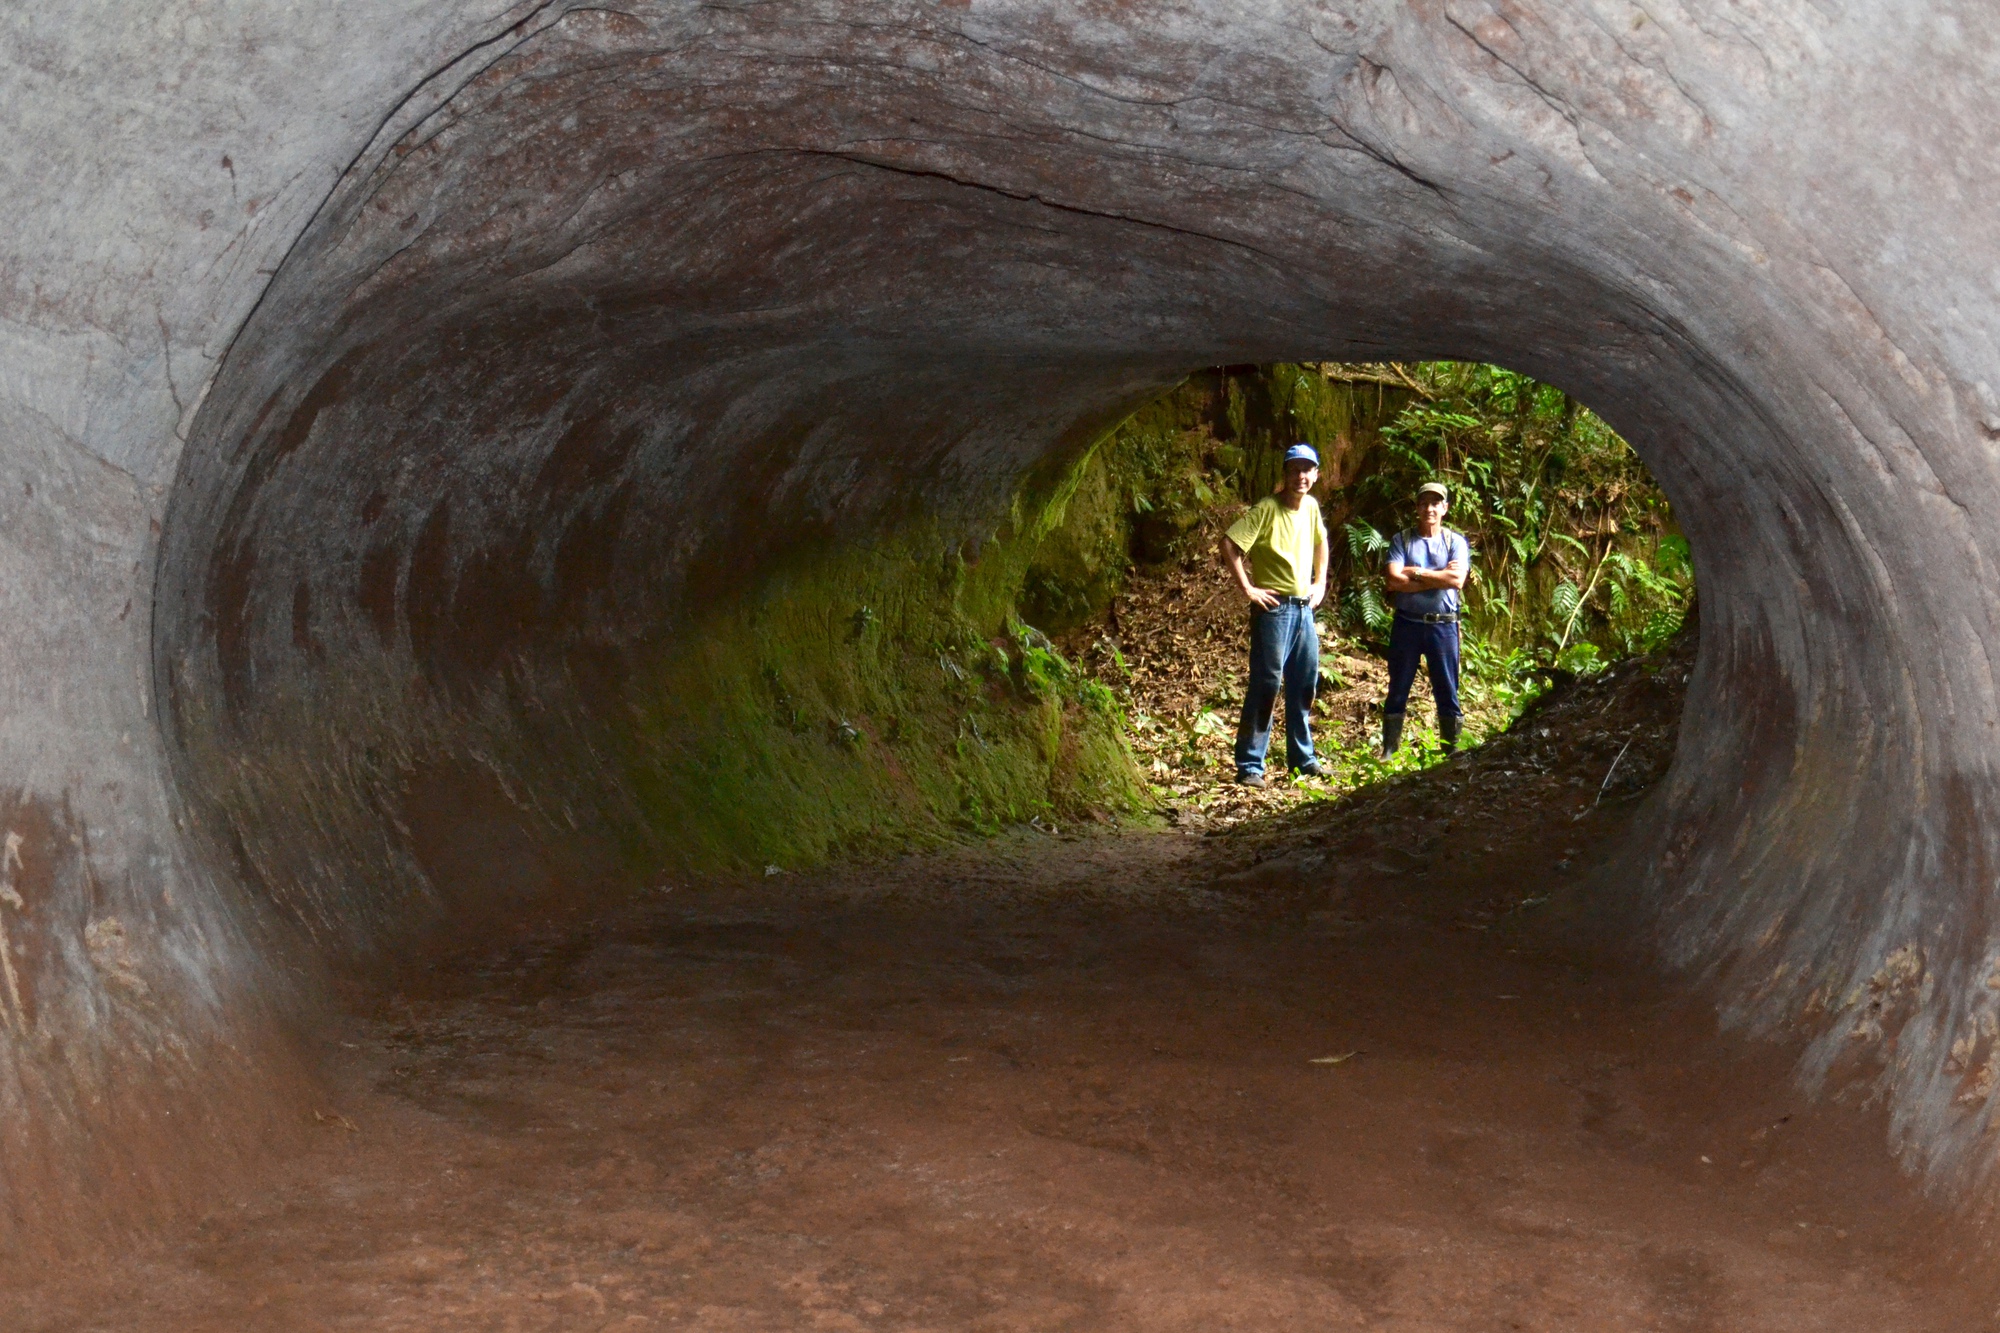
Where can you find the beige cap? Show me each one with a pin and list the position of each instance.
(1434, 488)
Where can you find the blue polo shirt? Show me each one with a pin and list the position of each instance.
(1415, 552)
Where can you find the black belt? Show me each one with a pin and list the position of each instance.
(1447, 618)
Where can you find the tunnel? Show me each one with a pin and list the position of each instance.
(395, 398)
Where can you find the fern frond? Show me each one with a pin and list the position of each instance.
(1566, 599)
(1363, 540)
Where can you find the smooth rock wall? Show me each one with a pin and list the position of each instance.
(411, 371)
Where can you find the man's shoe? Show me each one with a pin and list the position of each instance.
(1250, 780)
(1448, 728)
(1312, 770)
(1392, 733)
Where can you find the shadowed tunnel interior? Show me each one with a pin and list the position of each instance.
(624, 314)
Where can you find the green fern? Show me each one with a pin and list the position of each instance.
(1663, 624)
(1363, 540)
(1566, 600)
(1374, 612)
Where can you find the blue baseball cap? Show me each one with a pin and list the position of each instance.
(1302, 452)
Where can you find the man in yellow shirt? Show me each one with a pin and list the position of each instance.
(1277, 553)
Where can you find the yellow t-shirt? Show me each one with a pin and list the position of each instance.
(1279, 543)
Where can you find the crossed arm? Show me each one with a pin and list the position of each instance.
(1408, 578)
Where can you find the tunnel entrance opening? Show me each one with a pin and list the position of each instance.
(1577, 561)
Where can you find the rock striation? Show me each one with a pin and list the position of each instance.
(381, 389)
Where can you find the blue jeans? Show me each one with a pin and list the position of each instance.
(1284, 652)
(1410, 640)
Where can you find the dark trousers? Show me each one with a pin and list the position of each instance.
(1411, 640)
(1284, 654)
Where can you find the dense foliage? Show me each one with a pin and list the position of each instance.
(1576, 558)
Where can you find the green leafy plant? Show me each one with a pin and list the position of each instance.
(1364, 540)
(1581, 659)
(1573, 541)
(1363, 609)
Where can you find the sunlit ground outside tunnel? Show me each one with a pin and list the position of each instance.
(981, 997)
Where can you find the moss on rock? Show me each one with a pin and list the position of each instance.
(1218, 437)
(874, 698)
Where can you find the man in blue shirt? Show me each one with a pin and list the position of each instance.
(1427, 567)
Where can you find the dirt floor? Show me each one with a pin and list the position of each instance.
(1361, 1067)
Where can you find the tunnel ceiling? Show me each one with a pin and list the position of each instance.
(608, 313)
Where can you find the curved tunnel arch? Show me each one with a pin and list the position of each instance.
(635, 300)
(615, 295)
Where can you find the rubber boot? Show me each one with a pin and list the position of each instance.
(1448, 729)
(1392, 733)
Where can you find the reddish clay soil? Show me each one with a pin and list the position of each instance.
(1354, 1071)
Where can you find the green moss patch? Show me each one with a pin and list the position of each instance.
(874, 698)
